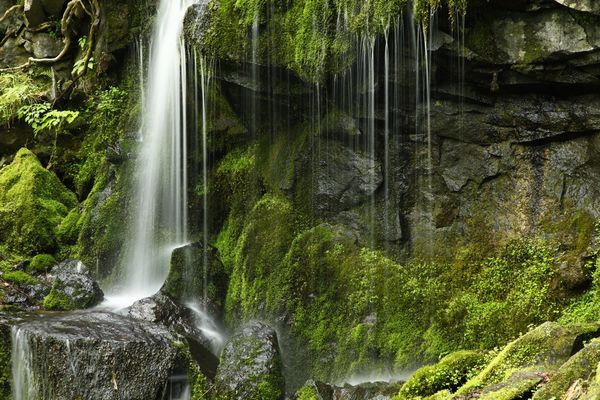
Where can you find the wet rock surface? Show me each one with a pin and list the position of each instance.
(365, 391)
(67, 286)
(92, 355)
(183, 321)
(186, 278)
(71, 279)
(251, 365)
(342, 177)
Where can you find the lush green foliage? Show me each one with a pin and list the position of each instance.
(42, 117)
(16, 90)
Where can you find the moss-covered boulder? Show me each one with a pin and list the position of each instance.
(449, 374)
(582, 367)
(250, 367)
(196, 272)
(33, 203)
(539, 352)
(519, 386)
(72, 287)
(41, 263)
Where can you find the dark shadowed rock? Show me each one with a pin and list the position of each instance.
(45, 45)
(34, 12)
(186, 280)
(251, 365)
(92, 355)
(54, 7)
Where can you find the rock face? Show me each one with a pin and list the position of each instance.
(343, 178)
(95, 355)
(535, 357)
(72, 287)
(250, 365)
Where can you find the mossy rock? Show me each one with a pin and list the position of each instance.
(441, 395)
(449, 374)
(251, 366)
(19, 278)
(5, 358)
(33, 203)
(186, 279)
(519, 386)
(41, 263)
(544, 348)
(582, 366)
(264, 241)
(309, 391)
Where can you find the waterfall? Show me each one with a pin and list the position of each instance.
(23, 382)
(160, 201)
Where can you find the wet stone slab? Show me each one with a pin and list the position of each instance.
(89, 355)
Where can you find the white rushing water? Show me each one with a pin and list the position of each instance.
(23, 383)
(160, 220)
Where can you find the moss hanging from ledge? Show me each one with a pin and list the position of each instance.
(310, 37)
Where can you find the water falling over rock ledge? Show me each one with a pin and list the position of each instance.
(89, 355)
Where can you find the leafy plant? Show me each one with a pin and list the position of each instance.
(41, 117)
(16, 90)
(79, 66)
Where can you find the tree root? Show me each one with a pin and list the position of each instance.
(10, 11)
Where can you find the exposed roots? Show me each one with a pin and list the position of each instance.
(10, 11)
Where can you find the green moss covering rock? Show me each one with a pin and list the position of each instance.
(449, 374)
(19, 278)
(41, 263)
(302, 35)
(251, 367)
(582, 366)
(519, 386)
(72, 288)
(33, 203)
(544, 349)
(5, 360)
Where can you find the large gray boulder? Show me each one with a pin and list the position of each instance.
(251, 365)
(72, 287)
(91, 355)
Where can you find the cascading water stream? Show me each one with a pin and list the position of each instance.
(160, 220)
(23, 383)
